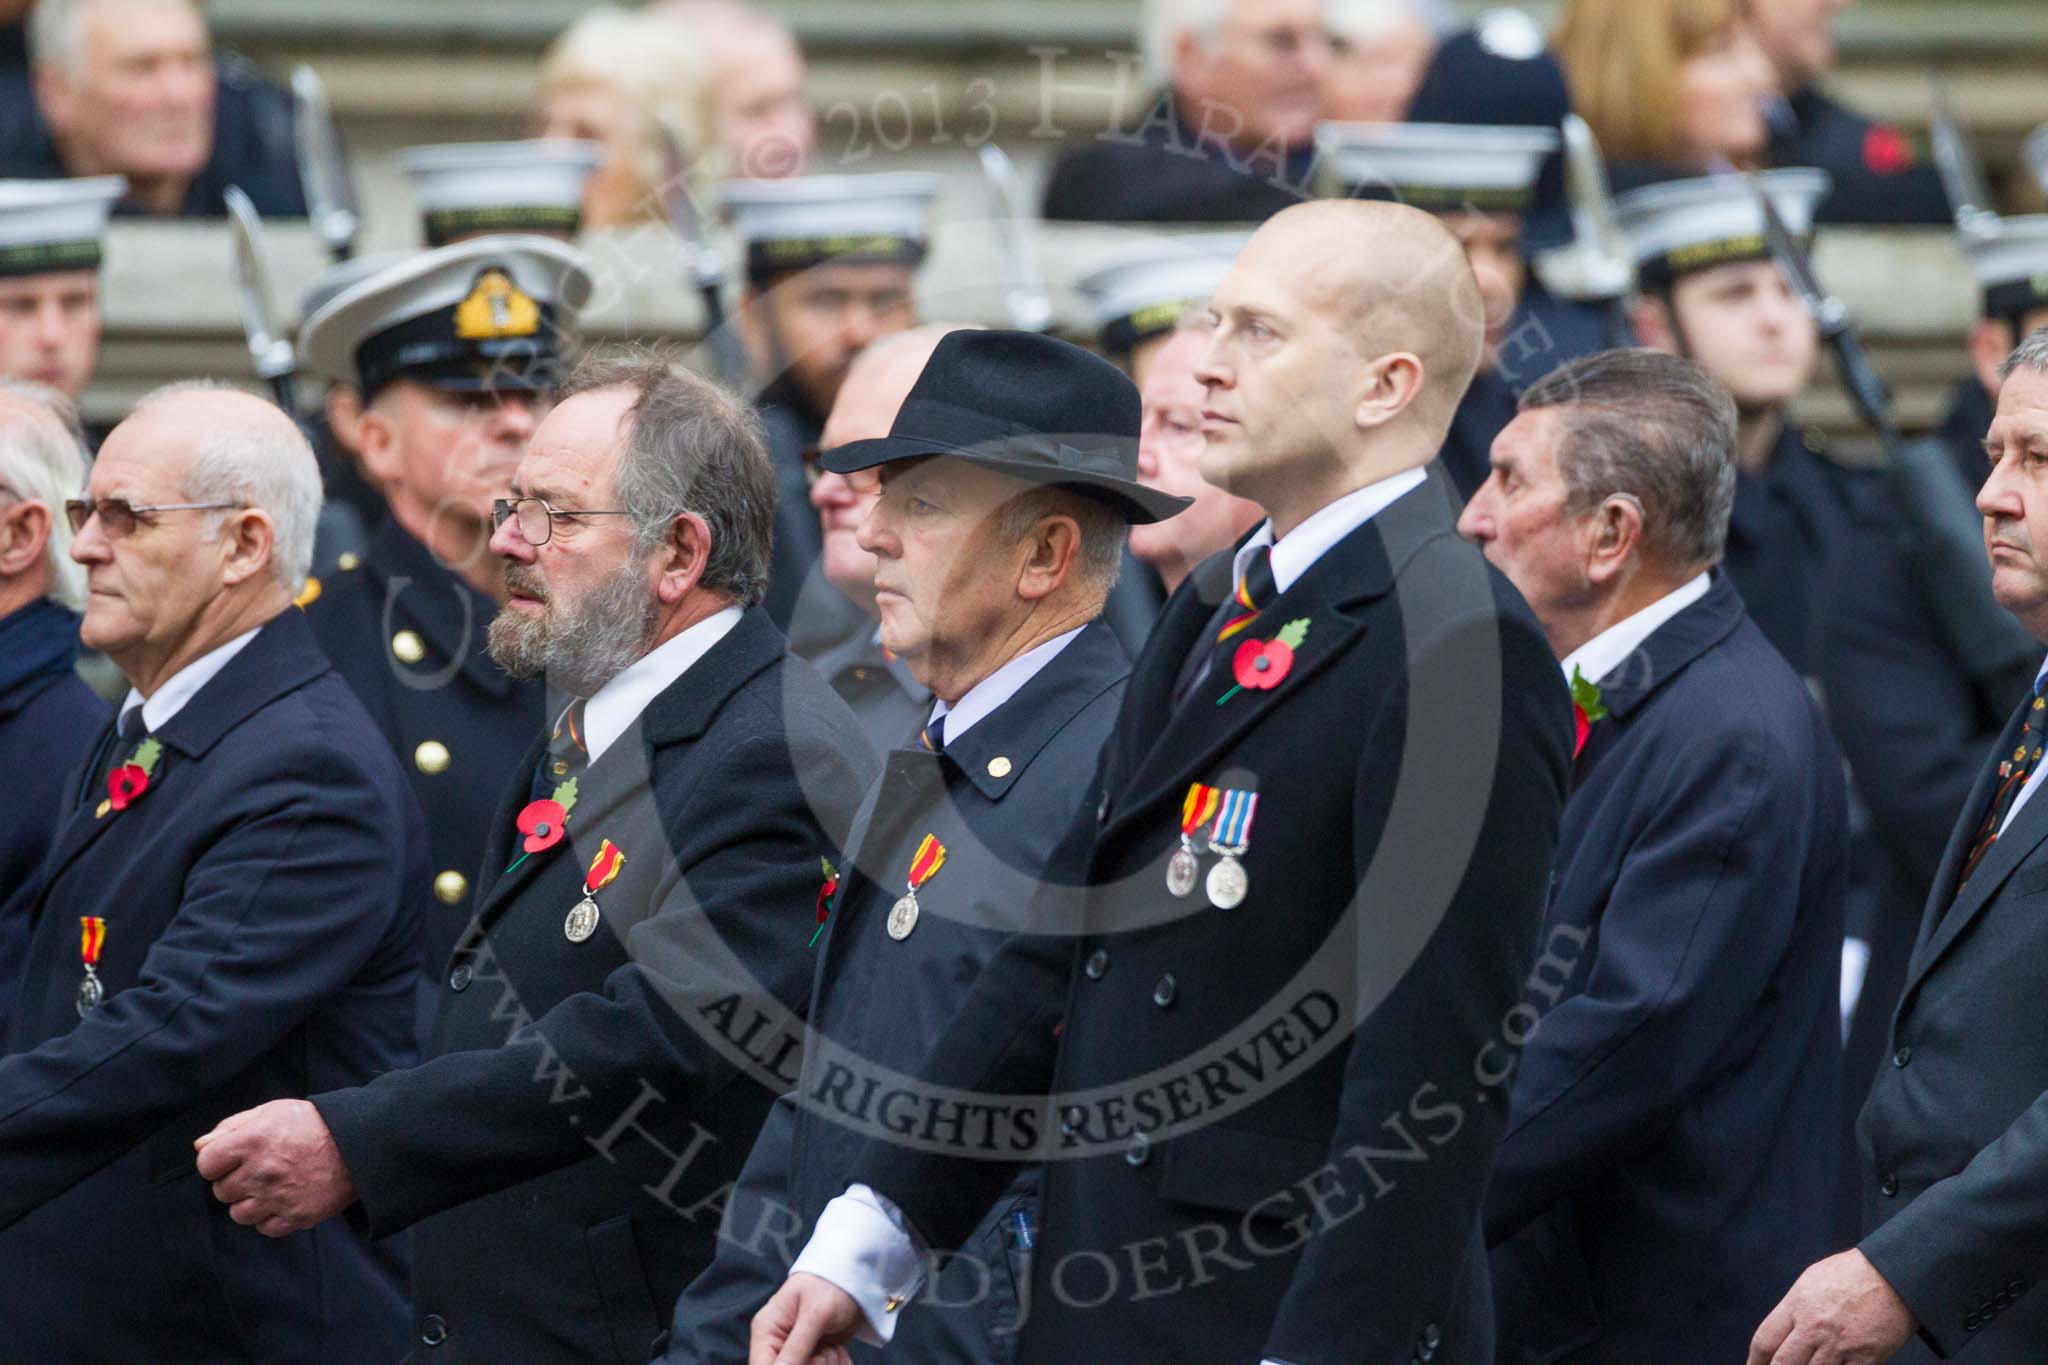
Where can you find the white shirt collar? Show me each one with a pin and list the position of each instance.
(619, 702)
(1606, 651)
(1001, 685)
(1297, 551)
(169, 699)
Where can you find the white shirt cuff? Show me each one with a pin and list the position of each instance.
(862, 1245)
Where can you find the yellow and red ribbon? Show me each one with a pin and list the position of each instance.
(603, 868)
(1243, 598)
(930, 857)
(92, 938)
(1199, 807)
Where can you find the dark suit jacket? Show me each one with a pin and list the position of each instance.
(48, 719)
(1785, 531)
(563, 1148)
(1672, 1134)
(1913, 723)
(1311, 1184)
(1000, 825)
(453, 696)
(1956, 1128)
(1879, 177)
(790, 425)
(262, 941)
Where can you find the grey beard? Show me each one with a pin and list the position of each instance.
(583, 646)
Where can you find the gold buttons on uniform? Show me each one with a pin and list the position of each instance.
(450, 887)
(347, 561)
(999, 766)
(431, 757)
(408, 646)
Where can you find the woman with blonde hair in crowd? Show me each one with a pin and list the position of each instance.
(620, 79)
(1670, 87)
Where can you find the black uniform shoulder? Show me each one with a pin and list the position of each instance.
(1879, 176)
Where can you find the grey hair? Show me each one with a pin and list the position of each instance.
(1655, 428)
(56, 31)
(1166, 20)
(43, 460)
(1103, 530)
(690, 447)
(1367, 21)
(2031, 354)
(259, 460)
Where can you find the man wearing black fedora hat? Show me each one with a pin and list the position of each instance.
(1261, 1056)
(1006, 484)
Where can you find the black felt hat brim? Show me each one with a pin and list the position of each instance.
(1139, 505)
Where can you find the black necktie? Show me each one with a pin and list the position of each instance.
(1254, 592)
(129, 731)
(933, 735)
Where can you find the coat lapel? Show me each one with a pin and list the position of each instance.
(1947, 917)
(283, 656)
(81, 826)
(625, 771)
(1333, 596)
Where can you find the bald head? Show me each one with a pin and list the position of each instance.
(1391, 277)
(230, 446)
(221, 493)
(878, 381)
(1339, 346)
(876, 384)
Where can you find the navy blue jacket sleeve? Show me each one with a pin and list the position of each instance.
(295, 898)
(761, 1236)
(1698, 922)
(467, 1124)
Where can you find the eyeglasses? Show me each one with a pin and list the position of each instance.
(536, 520)
(118, 516)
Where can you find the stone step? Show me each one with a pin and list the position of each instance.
(171, 313)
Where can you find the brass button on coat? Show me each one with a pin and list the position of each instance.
(450, 887)
(431, 757)
(408, 647)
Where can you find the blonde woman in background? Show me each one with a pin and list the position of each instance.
(1670, 87)
(618, 79)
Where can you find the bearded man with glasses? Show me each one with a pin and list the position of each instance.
(455, 353)
(621, 1013)
(228, 915)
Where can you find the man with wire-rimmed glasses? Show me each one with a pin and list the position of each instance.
(229, 914)
(455, 353)
(645, 904)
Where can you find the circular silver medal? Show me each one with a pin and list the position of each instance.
(1227, 884)
(903, 917)
(582, 921)
(90, 994)
(1182, 870)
